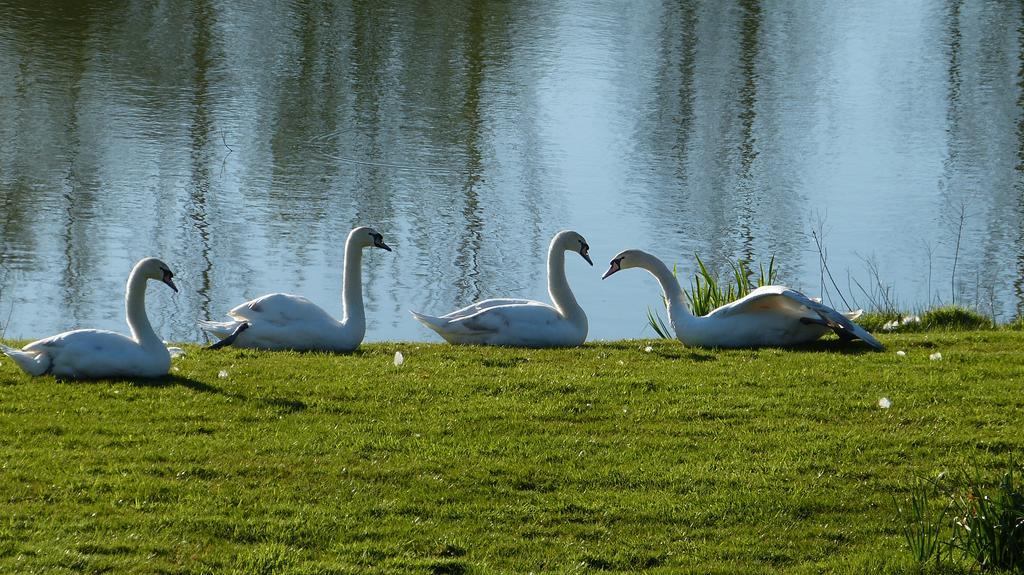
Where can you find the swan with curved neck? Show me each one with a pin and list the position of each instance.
(284, 321)
(522, 322)
(768, 316)
(94, 353)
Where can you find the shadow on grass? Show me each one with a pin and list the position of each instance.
(280, 404)
(675, 350)
(173, 380)
(700, 354)
(510, 362)
(246, 352)
(283, 405)
(856, 347)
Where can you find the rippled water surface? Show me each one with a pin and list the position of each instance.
(240, 142)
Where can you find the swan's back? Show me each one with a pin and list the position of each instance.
(282, 309)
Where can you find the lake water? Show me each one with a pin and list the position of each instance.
(241, 141)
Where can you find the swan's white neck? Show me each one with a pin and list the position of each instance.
(135, 311)
(678, 313)
(353, 315)
(558, 285)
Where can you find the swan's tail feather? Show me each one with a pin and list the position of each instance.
(430, 321)
(847, 329)
(221, 329)
(230, 339)
(867, 337)
(435, 323)
(30, 363)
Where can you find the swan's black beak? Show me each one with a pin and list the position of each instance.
(587, 257)
(612, 269)
(378, 242)
(167, 280)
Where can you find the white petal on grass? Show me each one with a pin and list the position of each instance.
(176, 352)
(935, 356)
(901, 353)
(648, 349)
(223, 374)
(891, 325)
(399, 358)
(884, 403)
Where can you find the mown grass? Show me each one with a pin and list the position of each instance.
(605, 458)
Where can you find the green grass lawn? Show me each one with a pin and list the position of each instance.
(484, 460)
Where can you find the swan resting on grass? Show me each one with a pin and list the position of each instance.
(523, 322)
(769, 316)
(95, 353)
(280, 321)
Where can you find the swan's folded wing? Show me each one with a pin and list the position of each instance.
(524, 317)
(479, 306)
(766, 298)
(280, 309)
(782, 298)
(89, 353)
(98, 353)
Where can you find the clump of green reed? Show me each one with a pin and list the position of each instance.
(948, 318)
(923, 527)
(954, 317)
(978, 522)
(707, 293)
(990, 528)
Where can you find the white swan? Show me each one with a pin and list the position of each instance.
(768, 316)
(283, 321)
(523, 322)
(94, 353)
